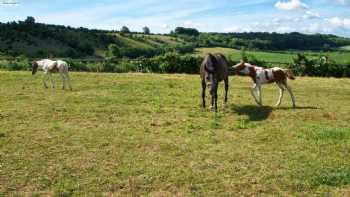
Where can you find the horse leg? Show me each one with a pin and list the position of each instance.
(259, 94)
(289, 89)
(44, 80)
(216, 100)
(281, 88)
(68, 81)
(63, 81)
(212, 102)
(52, 82)
(226, 89)
(215, 96)
(204, 86)
(213, 93)
(253, 90)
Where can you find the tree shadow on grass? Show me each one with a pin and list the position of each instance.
(255, 113)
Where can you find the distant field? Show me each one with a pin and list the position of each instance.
(278, 57)
(149, 41)
(145, 134)
(345, 48)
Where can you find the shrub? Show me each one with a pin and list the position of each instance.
(126, 66)
(321, 67)
(77, 66)
(15, 65)
(171, 63)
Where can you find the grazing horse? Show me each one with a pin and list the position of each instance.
(49, 67)
(262, 76)
(213, 70)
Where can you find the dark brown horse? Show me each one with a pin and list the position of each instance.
(213, 70)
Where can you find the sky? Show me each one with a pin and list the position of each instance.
(161, 16)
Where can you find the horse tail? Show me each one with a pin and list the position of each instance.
(289, 74)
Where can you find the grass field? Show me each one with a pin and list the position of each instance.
(145, 134)
(347, 48)
(341, 57)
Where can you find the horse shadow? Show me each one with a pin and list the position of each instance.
(2, 135)
(260, 113)
(254, 112)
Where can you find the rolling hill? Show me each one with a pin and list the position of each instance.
(43, 40)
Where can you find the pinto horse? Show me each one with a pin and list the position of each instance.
(262, 76)
(214, 69)
(49, 67)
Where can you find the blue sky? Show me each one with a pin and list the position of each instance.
(306, 16)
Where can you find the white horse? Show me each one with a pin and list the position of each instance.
(262, 76)
(49, 67)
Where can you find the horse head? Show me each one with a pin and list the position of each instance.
(34, 67)
(241, 68)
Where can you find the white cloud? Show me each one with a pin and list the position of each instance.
(342, 23)
(191, 24)
(166, 26)
(291, 5)
(311, 15)
(343, 2)
(237, 29)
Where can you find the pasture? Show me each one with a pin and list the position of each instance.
(285, 57)
(145, 134)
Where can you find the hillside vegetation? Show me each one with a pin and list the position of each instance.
(181, 51)
(42, 40)
(146, 135)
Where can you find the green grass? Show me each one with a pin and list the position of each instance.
(341, 57)
(145, 134)
(150, 41)
(133, 43)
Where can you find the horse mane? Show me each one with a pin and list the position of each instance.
(210, 63)
(221, 59)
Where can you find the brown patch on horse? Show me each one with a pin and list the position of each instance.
(252, 73)
(267, 75)
(290, 74)
(278, 76)
(239, 67)
(55, 68)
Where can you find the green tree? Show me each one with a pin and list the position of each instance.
(244, 56)
(146, 30)
(30, 20)
(125, 29)
(186, 31)
(113, 51)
